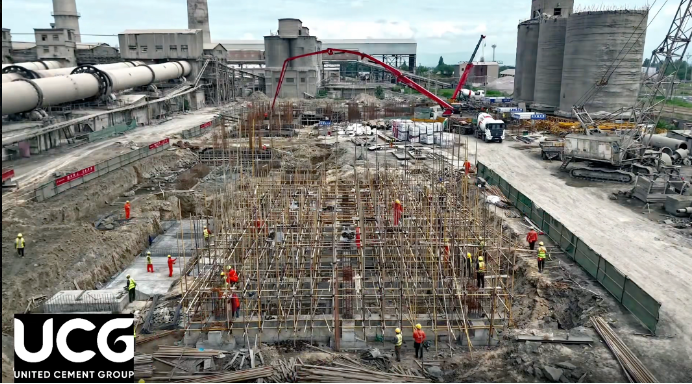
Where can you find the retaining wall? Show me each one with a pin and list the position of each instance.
(624, 290)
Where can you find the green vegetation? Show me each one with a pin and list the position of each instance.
(676, 102)
(379, 92)
(444, 69)
(684, 71)
(403, 67)
(446, 93)
(662, 124)
(322, 93)
(494, 93)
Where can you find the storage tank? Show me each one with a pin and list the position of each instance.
(550, 52)
(301, 46)
(525, 71)
(593, 42)
(276, 50)
(551, 7)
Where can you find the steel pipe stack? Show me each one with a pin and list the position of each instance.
(25, 95)
(9, 77)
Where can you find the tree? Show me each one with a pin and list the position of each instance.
(379, 92)
(421, 70)
(440, 62)
(403, 67)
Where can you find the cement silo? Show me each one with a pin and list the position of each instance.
(525, 71)
(561, 8)
(600, 42)
(550, 53)
(276, 50)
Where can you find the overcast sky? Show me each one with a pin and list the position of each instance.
(448, 29)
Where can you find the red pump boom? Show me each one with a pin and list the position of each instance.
(467, 70)
(399, 76)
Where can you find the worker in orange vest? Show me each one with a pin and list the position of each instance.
(127, 210)
(171, 261)
(532, 238)
(418, 339)
(266, 116)
(467, 167)
(398, 211)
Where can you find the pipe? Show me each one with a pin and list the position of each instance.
(38, 65)
(666, 142)
(25, 95)
(8, 77)
(684, 210)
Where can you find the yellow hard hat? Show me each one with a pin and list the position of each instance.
(418, 326)
(205, 226)
(397, 330)
(148, 253)
(397, 201)
(128, 276)
(169, 255)
(480, 237)
(229, 268)
(128, 201)
(141, 381)
(468, 254)
(223, 274)
(19, 235)
(541, 243)
(480, 258)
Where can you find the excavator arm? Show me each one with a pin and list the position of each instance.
(467, 70)
(399, 76)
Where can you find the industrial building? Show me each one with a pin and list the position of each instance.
(561, 55)
(482, 72)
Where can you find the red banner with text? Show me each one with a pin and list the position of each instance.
(75, 175)
(158, 144)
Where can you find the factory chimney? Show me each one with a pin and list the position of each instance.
(198, 18)
(66, 16)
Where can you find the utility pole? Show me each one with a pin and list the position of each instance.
(688, 66)
(495, 46)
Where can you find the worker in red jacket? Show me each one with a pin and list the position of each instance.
(467, 167)
(398, 211)
(235, 305)
(171, 261)
(127, 210)
(358, 237)
(231, 276)
(418, 339)
(532, 238)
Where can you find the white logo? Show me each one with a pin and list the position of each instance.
(64, 349)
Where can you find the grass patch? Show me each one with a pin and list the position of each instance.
(679, 103)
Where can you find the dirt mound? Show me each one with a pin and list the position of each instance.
(62, 245)
(258, 96)
(367, 99)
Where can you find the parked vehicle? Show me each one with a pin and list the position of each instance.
(490, 129)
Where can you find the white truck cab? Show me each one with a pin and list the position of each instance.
(490, 129)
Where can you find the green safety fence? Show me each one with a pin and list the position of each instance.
(625, 291)
(113, 130)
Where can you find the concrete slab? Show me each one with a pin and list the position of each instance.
(92, 301)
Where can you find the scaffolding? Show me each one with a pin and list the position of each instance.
(323, 255)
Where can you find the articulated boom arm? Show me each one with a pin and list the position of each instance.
(399, 76)
(467, 70)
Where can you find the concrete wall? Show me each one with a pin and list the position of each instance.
(102, 54)
(551, 7)
(6, 45)
(24, 55)
(245, 55)
(161, 46)
(593, 41)
(52, 44)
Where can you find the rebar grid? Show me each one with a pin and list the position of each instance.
(291, 236)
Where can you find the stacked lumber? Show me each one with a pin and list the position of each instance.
(634, 369)
(170, 352)
(229, 377)
(248, 358)
(348, 374)
(284, 370)
(494, 190)
(144, 366)
(146, 339)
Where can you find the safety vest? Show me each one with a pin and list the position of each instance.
(132, 284)
(148, 259)
(399, 340)
(541, 252)
(19, 243)
(206, 233)
(481, 266)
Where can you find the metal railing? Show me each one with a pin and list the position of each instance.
(621, 287)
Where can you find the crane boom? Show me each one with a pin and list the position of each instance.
(467, 70)
(399, 76)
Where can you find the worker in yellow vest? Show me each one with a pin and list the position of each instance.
(19, 245)
(542, 252)
(468, 263)
(480, 273)
(150, 265)
(131, 288)
(398, 341)
(206, 235)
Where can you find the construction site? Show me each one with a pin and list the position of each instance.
(277, 211)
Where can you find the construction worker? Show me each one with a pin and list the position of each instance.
(542, 251)
(232, 276)
(171, 261)
(391, 143)
(481, 243)
(398, 211)
(222, 281)
(398, 341)
(150, 266)
(418, 339)
(235, 305)
(206, 235)
(531, 238)
(469, 259)
(358, 237)
(480, 272)
(467, 167)
(266, 116)
(19, 244)
(127, 210)
(447, 251)
(131, 288)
